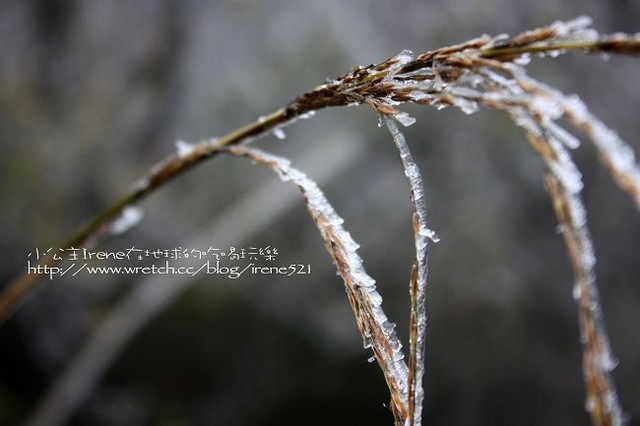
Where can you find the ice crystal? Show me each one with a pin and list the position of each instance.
(523, 59)
(563, 136)
(465, 105)
(279, 133)
(307, 115)
(184, 148)
(405, 119)
(577, 290)
(129, 218)
(401, 59)
(430, 234)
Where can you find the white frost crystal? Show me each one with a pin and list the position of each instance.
(129, 218)
(279, 133)
(184, 148)
(405, 119)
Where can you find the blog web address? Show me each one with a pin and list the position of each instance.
(167, 268)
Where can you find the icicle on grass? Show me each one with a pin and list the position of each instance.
(418, 283)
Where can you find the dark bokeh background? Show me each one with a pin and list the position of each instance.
(93, 93)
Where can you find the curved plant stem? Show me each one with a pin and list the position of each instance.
(379, 86)
(19, 290)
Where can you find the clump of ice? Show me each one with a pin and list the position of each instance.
(184, 148)
(577, 290)
(404, 118)
(401, 59)
(279, 133)
(465, 105)
(307, 115)
(438, 83)
(129, 218)
(523, 59)
(430, 234)
(563, 136)
(564, 28)
(546, 107)
(418, 95)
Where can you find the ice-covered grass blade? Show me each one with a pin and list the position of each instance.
(376, 330)
(535, 109)
(563, 182)
(616, 154)
(602, 401)
(418, 282)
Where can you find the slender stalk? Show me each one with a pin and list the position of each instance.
(19, 290)
(608, 44)
(418, 281)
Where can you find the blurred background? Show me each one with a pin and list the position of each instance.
(92, 94)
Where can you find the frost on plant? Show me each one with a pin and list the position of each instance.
(418, 284)
(473, 73)
(486, 71)
(129, 218)
(377, 331)
(184, 148)
(602, 401)
(279, 133)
